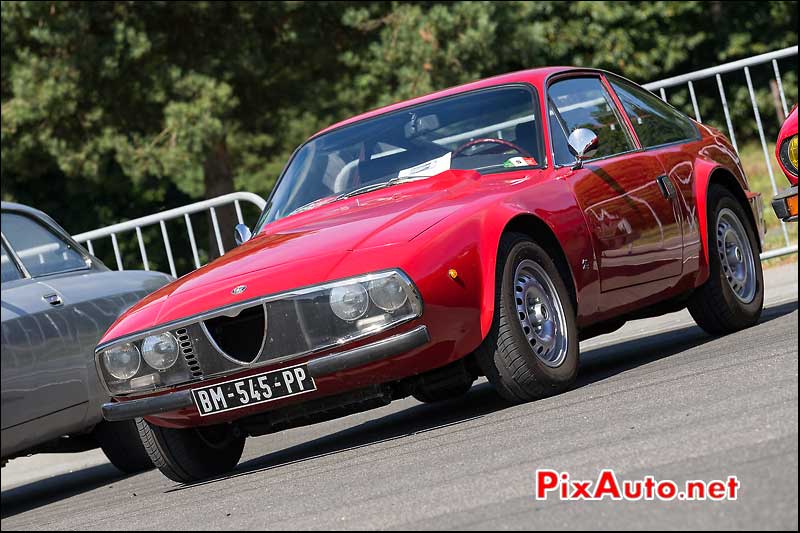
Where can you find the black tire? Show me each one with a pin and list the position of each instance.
(121, 443)
(715, 306)
(446, 383)
(506, 356)
(189, 455)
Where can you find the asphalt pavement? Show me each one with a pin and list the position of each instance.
(657, 398)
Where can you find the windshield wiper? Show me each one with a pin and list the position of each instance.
(370, 188)
(356, 192)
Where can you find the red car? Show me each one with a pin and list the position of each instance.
(480, 230)
(785, 203)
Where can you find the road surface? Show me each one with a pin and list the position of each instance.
(657, 398)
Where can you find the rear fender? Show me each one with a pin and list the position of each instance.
(732, 177)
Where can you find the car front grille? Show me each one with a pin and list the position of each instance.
(187, 349)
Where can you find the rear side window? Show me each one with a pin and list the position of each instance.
(584, 103)
(654, 122)
(40, 250)
(9, 269)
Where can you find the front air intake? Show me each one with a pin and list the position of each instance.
(240, 338)
(187, 350)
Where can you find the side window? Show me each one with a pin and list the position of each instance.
(584, 103)
(655, 122)
(9, 269)
(39, 249)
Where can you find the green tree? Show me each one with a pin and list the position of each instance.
(115, 109)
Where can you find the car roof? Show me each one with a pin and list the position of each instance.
(41, 216)
(30, 211)
(535, 76)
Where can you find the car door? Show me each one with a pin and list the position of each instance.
(623, 191)
(44, 368)
(664, 132)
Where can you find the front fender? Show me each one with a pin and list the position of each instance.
(471, 237)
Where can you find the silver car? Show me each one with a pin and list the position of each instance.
(57, 301)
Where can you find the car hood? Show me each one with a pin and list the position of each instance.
(302, 249)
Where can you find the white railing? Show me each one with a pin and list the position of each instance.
(184, 212)
(687, 80)
(743, 65)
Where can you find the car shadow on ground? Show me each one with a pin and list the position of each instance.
(597, 364)
(45, 491)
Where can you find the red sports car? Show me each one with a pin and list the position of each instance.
(480, 230)
(785, 203)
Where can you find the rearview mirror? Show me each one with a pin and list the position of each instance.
(241, 233)
(419, 125)
(583, 144)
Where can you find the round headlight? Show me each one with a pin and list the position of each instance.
(349, 302)
(388, 293)
(793, 151)
(160, 351)
(122, 361)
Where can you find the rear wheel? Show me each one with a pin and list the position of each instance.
(188, 455)
(733, 296)
(121, 443)
(532, 348)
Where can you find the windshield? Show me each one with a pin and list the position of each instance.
(487, 131)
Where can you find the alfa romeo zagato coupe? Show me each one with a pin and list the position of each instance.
(481, 230)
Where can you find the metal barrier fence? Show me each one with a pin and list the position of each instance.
(687, 80)
(184, 212)
(743, 65)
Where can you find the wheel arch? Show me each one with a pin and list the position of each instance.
(568, 243)
(716, 174)
(544, 236)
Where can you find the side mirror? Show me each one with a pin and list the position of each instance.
(583, 144)
(241, 233)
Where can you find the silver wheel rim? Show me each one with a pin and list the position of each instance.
(736, 256)
(540, 313)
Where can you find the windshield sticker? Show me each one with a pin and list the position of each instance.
(428, 168)
(520, 162)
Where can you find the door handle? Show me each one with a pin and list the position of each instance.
(53, 299)
(666, 186)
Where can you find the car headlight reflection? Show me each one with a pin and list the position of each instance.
(349, 302)
(122, 361)
(388, 293)
(160, 351)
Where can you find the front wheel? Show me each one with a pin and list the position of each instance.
(189, 455)
(733, 296)
(121, 443)
(531, 350)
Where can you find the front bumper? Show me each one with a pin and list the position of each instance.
(785, 204)
(319, 367)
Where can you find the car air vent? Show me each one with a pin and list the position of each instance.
(240, 338)
(188, 353)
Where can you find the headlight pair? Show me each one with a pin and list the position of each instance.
(123, 361)
(351, 302)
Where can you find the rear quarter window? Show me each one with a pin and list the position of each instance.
(654, 122)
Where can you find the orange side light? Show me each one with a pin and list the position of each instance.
(791, 203)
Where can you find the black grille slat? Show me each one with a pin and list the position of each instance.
(188, 353)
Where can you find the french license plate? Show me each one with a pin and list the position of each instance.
(252, 390)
